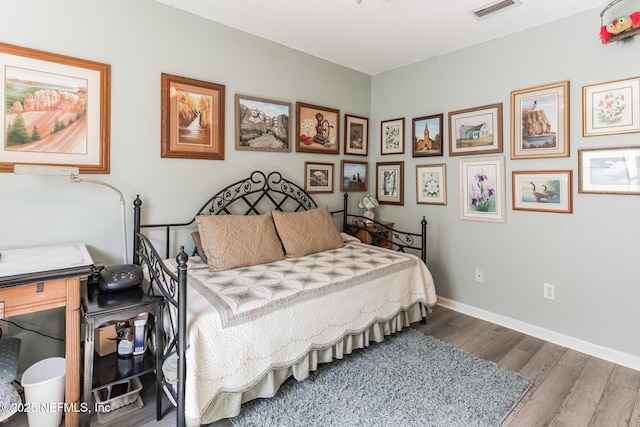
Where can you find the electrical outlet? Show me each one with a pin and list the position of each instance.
(479, 275)
(549, 291)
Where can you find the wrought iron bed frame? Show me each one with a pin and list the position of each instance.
(252, 194)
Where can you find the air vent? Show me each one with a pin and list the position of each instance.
(492, 8)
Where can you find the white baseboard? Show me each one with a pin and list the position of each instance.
(591, 349)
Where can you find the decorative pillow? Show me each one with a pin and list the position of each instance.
(307, 232)
(198, 243)
(231, 241)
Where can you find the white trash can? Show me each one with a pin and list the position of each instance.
(43, 384)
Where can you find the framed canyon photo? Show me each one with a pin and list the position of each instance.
(192, 118)
(611, 108)
(476, 130)
(57, 110)
(262, 124)
(540, 122)
(317, 129)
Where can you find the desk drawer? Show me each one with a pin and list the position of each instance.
(22, 299)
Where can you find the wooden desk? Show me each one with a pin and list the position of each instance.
(372, 233)
(37, 279)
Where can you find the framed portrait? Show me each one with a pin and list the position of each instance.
(613, 170)
(390, 183)
(262, 124)
(431, 184)
(56, 110)
(317, 129)
(356, 135)
(540, 122)
(610, 108)
(476, 130)
(427, 136)
(318, 177)
(355, 175)
(192, 118)
(542, 191)
(392, 136)
(482, 195)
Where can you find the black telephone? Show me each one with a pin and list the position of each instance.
(120, 278)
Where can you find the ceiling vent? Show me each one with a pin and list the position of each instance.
(491, 8)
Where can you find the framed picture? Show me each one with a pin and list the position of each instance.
(476, 130)
(540, 122)
(431, 184)
(262, 124)
(192, 118)
(356, 135)
(482, 182)
(392, 136)
(318, 177)
(390, 183)
(542, 191)
(609, 170)
(427, 136)
(610, 108)
(56, 110)
(317, 129)
(354, 175)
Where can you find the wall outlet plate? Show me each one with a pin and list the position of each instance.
(549, 291)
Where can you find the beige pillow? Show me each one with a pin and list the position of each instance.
(307, 232)
(198, 244)
(231, 241)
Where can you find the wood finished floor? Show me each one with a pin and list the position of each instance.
(571, 389)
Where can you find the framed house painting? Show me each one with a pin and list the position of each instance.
(540, 122)
(431, 184)
(317, 129)
(542, 191)
(482, 195)
(318, 177)
(611, 108)
(614, 170)
(356, 135)
(427, 136)
(192, 118)
(56, 110)
(392, 136)
(390, 183)
(354, 175)
(262, 124)
(476, 130)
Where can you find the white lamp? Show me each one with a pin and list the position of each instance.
(73, 174)
(368, 202)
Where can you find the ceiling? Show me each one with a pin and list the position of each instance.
(374, 36)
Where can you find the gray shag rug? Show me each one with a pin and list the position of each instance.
(407, 380)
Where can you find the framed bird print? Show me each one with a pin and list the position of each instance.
(542, 191)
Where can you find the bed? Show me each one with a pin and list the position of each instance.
(243, 314)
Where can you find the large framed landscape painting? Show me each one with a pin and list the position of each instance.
(262, 124)
(57, 110)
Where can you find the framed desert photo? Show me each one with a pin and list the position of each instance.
(390, 183)
(356, 135)
(317, 129)
(192, 118)
(56, 110)
(427, 136)
(431, 184)
(392, 136)
(262, 124)
(542, 191)
(318, 177)
(610, 108)
(540, 122)
(354, 175)
(476, 130)
(613, 170)
(482, 195)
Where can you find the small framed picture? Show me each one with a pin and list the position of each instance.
(318, 177)
(354, 175)
(540, 122)
(317, 129)
(390, 183)
(613, 170)
(476, 130)
(392, 136)
(427, 136)
(483, 189)
(542, 191)
(431, 184)
(262, 124)
(610, 108)
(356, 135)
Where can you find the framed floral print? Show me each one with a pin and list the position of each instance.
(390, 183)
(483, 189)
(431, 184)
(610, 108)
(356, 135)
(392, 136)
(542, 191)
(476, 130)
